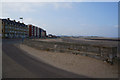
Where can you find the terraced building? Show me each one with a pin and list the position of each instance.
(36, 32)
(13, 29)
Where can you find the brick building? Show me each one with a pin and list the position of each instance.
(36, 32)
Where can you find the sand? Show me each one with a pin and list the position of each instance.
(78, 64)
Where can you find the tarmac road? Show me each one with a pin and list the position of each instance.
(17, 64)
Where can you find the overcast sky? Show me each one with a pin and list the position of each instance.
(67, 18)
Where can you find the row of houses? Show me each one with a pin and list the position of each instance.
(35, 32)
(13, 29)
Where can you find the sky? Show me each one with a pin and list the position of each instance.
(67, 18)
(59, 0)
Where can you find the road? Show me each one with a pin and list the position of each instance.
(17, 64)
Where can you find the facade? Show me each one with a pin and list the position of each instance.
(33, 29)
(43, 34)
(39, 32)
(13, 29)
(36, 32)
(30, 30)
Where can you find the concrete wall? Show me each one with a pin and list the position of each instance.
(99, 52)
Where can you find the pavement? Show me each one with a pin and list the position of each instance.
(17, 64)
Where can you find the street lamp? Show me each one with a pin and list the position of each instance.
(22, 22)
(22, 19)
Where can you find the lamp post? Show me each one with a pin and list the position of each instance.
(22, 22)
(22, 19)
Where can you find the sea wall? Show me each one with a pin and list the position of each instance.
(96, 51)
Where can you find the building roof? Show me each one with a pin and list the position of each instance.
(8, 21)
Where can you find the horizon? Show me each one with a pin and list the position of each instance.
(68, 18)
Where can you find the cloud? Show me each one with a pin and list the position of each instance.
(31, 21)
(18, 7)
(62, 5)
(15, 10)
(28, 20)
(35, 22)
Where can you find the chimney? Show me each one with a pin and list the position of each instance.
(14, 20)
(8, 18)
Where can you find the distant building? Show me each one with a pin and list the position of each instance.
(13, 29)
(51, 36)
(36, 32)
